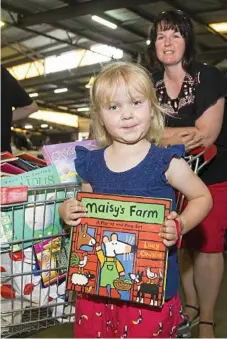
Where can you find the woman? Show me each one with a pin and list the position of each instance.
(193, 94)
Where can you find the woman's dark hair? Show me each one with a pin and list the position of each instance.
(179, 22)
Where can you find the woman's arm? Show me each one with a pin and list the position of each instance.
(188, 136)
(205, 132)
(210, 122)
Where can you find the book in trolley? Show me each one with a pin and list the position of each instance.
(117, 252)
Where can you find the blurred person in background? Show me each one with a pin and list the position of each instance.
(12, 95)
(193, 95)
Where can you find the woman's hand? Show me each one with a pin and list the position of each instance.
(168, 231)
(190, 139)
(71, 211)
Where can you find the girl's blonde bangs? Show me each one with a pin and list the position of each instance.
(108, 83)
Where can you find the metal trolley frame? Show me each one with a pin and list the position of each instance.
(27, 305)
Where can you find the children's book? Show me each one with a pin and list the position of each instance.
(11, 169)
(38, 217)
(32, 159)
(63, 157)
(6, 156)
(51, 254)
(117, 252)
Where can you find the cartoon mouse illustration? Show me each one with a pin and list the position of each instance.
(111, 267)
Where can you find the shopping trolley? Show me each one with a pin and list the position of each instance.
(197, 160)
(30, 303)
(33, 293)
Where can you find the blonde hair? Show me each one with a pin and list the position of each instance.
(135, 77)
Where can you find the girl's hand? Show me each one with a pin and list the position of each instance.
(169, 231)
(71, 211)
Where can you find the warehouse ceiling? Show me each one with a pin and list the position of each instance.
(37, 29)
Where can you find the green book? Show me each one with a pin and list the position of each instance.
(31, 221)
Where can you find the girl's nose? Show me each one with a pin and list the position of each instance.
(127, 114)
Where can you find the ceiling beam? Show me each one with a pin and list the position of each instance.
(142, 13)
(78, 9)
(193, 16)
(59, 76)
(100, 39)
(217, 54)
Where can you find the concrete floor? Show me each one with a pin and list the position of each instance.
(66, 330)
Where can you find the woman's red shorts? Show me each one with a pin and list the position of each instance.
(209, 236)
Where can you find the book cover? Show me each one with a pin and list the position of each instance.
(63, 156)
(52, 259)
(11, 169)
(117, 252)
(38, 217)
(6, 156)
(10, 195)
(24, 164)
(31, 158)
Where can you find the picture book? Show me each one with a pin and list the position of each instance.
(15, 194)
(6, 156)
(24, 164)
(32, 159)
(63, 156)
(117, 252)
(51, 254)
(11, 169)
(38, 217)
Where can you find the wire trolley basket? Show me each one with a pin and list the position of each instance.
(34, 256)
(34, 247)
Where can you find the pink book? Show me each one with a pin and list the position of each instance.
(63, 156)
(9, 168)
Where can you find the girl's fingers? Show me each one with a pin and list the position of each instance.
(168, 243)
(172, 215)
(74, 216)
(169, 236)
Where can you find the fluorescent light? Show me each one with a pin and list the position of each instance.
(12, 128)
(65, 119)
(109, 51)
(148, 42)
(65, 108)
(33, 95)
(44, 125)
(83, 109)
(220, 27)
(61, 90)
(28, 126)
(103, 22)
(2, 23)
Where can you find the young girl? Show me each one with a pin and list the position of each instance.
(128, 123)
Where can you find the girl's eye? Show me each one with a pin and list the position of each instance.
(113, 107)
(137, 102)
(176, 36)
(160, 37)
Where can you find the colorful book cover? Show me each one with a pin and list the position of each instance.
(117, 252)
(31, 158)
(9, 168)
(38, 217)
(63, 156)
(51, 254)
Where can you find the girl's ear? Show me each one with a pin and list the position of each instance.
(152, 113)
